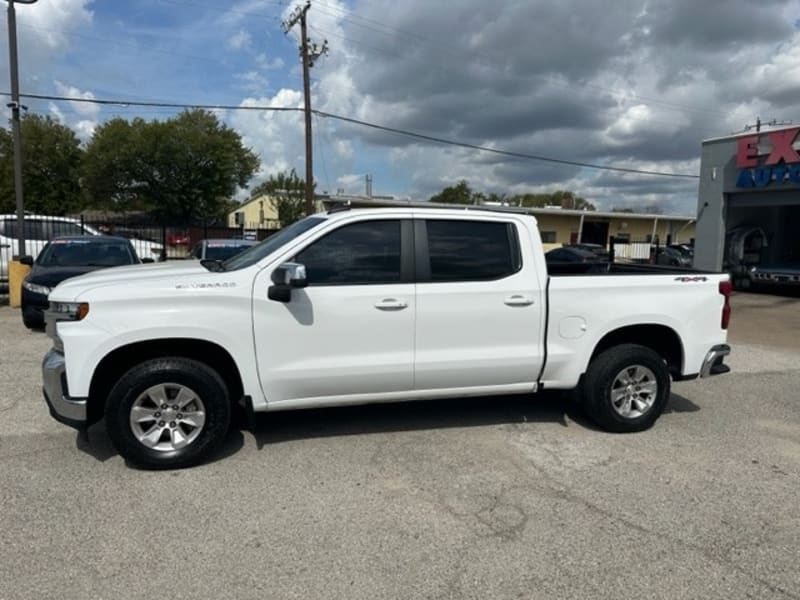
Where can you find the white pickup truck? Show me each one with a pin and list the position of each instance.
(358, 306)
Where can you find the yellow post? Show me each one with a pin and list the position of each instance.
(16, 273)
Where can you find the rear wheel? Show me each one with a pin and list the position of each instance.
(626, 388)
(168, 413)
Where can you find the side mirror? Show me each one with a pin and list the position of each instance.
(285, 277)
(25, 259)
(148, 260)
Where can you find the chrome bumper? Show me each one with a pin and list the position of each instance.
(713, 365)
(70, 411)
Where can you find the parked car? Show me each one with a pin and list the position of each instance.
(368, 305)
(571, 254)
(685, 249)
(673, 257)
(178, 239)
(744, 248)
(596, 249)
(220, 249)
(41, 228)
(782, 274)
(132, 234)
(66, 257)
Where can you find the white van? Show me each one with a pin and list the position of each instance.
(41, 228)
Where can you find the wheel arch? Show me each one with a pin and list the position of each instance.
(118, 361)
(662, 339)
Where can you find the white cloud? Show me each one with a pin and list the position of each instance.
(48, 23)
(56, 113)
(81, 108)
(240, 40)
(267, 64)
(253, 81)
(277, 137)
(45, 34)
(84, 129)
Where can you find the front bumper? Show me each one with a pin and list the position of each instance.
(70, 411)
(33, 306)
(713, 363)
(775, 277)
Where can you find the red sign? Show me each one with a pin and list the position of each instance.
(782, 150)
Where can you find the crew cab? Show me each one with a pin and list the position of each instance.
(357, 306)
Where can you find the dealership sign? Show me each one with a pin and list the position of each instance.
(781, 165)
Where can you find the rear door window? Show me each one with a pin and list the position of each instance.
(33, 229)
(58, 228)
(462, 250)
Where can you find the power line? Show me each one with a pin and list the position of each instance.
(411, 134)
(510, 153)
(127, 103)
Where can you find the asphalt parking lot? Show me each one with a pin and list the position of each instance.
(484, 498)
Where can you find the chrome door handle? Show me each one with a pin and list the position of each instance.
(391, 304)
(518, 300)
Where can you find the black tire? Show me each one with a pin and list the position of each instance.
(742, 284)
(175, 373)
(31, 323)
(606, 371)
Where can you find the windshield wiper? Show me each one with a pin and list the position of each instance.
(213, 265)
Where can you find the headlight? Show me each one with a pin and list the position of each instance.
(36, 289)
(69, 311)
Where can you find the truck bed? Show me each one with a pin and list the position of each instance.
(604, 268)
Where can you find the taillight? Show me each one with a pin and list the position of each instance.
(725, 288)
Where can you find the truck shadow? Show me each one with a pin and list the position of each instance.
(274, 428)
(778, 291)
(550, 407)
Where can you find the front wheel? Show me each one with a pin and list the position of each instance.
(626, 388)
(168, 413)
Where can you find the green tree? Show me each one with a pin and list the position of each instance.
(184, 168)
(289, 193)
(459, 193)
(647, 209)
(110, 164)
(51, 155)
(561, 198)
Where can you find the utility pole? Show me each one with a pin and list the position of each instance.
(309, 52)
(15, 107)
(369, 185)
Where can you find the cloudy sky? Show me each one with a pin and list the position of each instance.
(635, 84)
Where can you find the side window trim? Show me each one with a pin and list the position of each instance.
(423, 258)
(516, 247)
(421, 252)
(408, 262)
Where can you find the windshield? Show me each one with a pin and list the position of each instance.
(85, 253)
(272, 243)
(224, 251)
